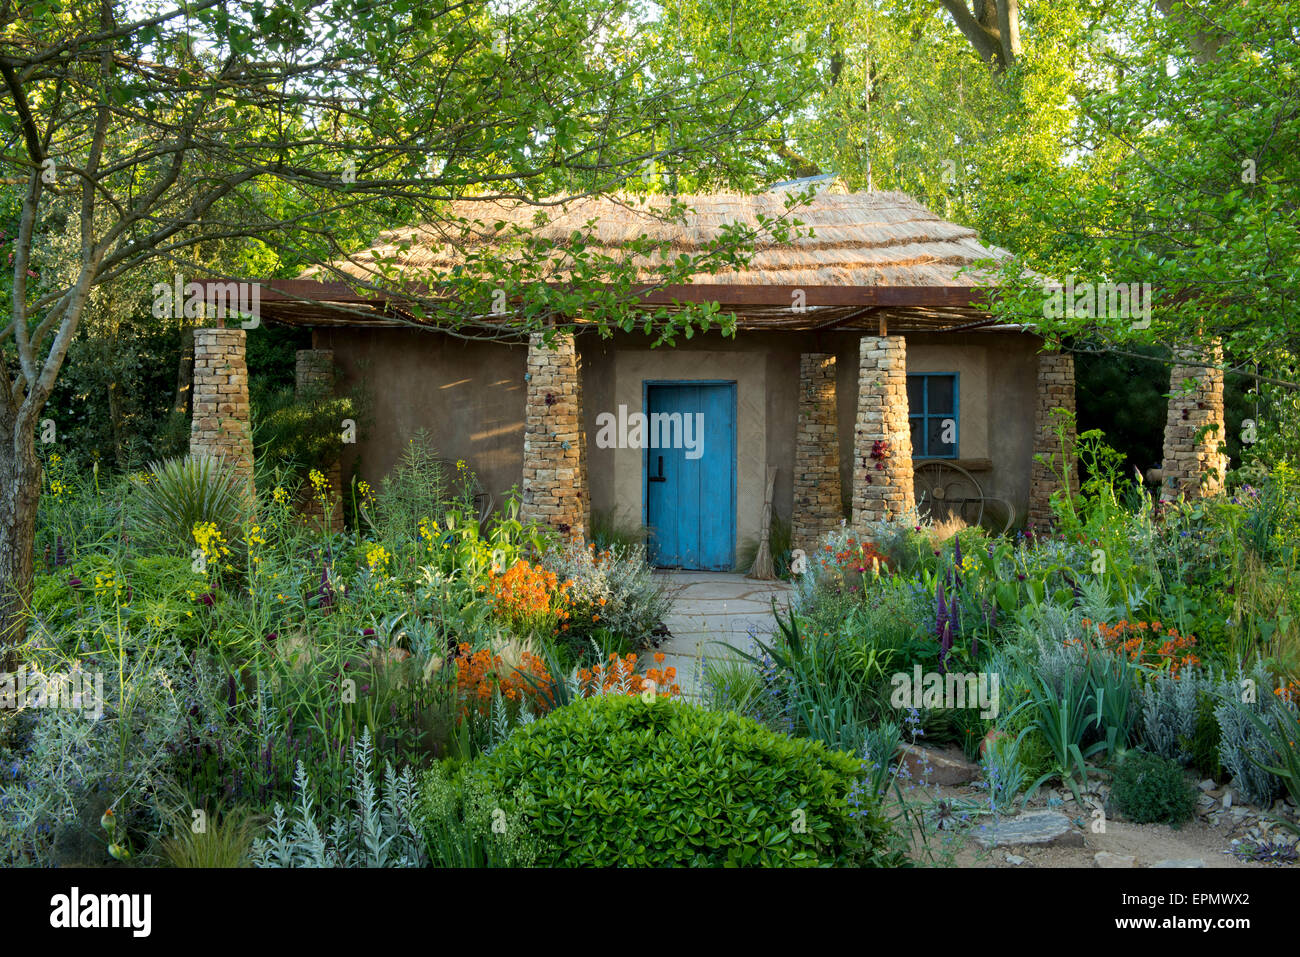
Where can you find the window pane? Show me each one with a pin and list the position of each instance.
(941, 393)
(915, 396)
(917, 437)
(937, 429)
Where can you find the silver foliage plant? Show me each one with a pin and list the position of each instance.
(381, 832)
(635, 601)
(1241, 742)
(1169, 715)
(155, 699)
(1169, 706)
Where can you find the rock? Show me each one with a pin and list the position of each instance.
(1207, 785)
(1034, 827)
(1238, 814)
(1207, 801)
(1107, 859)
(1227, 798)
(948, 767)
(1180, 862)
(1014, 859)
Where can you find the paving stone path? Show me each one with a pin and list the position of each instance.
(711, 608)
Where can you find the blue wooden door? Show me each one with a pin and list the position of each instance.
(691, 475)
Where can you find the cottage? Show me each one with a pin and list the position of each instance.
(864, 372)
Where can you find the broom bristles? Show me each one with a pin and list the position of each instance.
(762, 568)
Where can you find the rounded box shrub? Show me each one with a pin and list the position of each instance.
(622, 781)
(1150, 789)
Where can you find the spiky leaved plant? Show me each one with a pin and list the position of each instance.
(183, 492)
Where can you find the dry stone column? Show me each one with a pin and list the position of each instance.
(220, 425)
(555, 445)
(313, 372)
(314, 379)
(1055, 392)
(882, 440)
(1194, 426)
(817, 507)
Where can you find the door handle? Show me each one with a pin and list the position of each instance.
(660, 476)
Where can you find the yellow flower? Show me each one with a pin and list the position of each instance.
(377, 557)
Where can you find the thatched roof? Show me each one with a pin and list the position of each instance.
(857, 254)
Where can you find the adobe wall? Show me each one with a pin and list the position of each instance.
(469, 396)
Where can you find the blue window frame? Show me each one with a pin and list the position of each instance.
(934, 413)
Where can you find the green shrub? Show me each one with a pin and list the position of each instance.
(1150, 789)
(304, 430)
(623, 781)
(157, 592)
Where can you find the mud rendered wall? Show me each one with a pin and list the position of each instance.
(469, 397)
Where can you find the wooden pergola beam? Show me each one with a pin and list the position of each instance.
(725, 294)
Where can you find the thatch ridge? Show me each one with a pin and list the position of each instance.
(857, 239)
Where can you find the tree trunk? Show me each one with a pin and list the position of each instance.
(115, 420)
(20, 490)
(184, 373)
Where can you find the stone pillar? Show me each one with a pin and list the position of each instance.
(817, 507)
(1194, 426)
(313, 375)
(220, 425)
(1055, 391)
(882, 451)
(313, 372)
(555, 444)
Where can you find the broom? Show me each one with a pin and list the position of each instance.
(762, 568)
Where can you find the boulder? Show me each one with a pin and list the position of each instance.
(947, 767)
(1044, 828)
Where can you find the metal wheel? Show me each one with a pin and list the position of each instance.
(945, 490)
